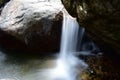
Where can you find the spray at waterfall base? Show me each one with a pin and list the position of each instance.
(68, 66)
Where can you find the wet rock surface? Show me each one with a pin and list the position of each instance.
(104, 67)
(31, 25)
(100, 18)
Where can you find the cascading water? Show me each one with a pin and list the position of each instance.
(68, 65)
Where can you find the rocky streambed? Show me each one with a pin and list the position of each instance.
(105, 67)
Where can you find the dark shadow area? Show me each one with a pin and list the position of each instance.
(3, 2)
(12, 45)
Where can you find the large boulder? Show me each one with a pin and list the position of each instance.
(101, 18)
(31, 25)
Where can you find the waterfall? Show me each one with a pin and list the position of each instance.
(69, 36)
(69, 66)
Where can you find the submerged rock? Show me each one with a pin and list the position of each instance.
(100, 18)
(33, 25)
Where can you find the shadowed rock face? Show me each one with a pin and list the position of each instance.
(101, 19)
(2, 2)
(31, 25)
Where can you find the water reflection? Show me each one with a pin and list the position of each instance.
(25, 69)
(18, 68)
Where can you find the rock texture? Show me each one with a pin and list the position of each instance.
(32, 25)
(2, 4)
(101, 19)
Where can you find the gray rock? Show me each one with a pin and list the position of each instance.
(37, 23)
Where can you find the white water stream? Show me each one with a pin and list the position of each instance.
(69, 67)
